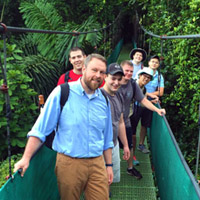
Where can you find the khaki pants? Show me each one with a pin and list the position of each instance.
(75, 175)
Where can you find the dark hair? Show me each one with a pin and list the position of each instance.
(76, 49)
(155, 57)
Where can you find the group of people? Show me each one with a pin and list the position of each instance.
(101, 114)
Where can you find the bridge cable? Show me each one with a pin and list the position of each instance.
(7, 98)
(3, 30)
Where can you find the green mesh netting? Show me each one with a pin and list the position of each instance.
(39, 181)
(175, 180)
(115, 53)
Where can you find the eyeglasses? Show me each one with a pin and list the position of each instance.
(146, 76)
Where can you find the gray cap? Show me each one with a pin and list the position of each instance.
(115, 68)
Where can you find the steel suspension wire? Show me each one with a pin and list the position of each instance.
(161, 64)
(8, 109)
(165, 36)
(180, 154)
(170, 37)
(149, 50)
(198, 148)
(3, 30)
(18, 29)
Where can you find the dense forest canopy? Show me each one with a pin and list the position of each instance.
(35, 61)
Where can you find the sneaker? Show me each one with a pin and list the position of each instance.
(134, 172)
(135, 161)
(142, 148)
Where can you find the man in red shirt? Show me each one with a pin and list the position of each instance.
(76, 58)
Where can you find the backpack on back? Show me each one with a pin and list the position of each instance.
(67, 76)
(63, 99)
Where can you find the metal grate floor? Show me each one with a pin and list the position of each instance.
(129, 188)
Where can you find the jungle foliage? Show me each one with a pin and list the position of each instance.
(42, 58)
(180, 67)
(23, 106)
(35, 61)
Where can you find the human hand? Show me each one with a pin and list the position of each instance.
(161, 111)
(109, 174)
(126, 155)
(21, 164)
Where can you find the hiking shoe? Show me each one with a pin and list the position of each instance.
(134, 172)
(135, 161)
(142, 148)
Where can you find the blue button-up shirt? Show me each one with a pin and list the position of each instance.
(85, 123)
(152, 85)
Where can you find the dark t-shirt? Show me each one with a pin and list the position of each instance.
(117, 108)
(127, 91)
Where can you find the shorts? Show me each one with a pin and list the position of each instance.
(145, 115)
(116, 163)
(129, 138)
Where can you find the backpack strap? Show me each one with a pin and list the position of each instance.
(142, 66)
(144, 91)
(64, 94)
(104, 96)
(63, 99)
(133, 82)
(67, 76)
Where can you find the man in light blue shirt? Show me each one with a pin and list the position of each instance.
(84, 134)
(137, 56)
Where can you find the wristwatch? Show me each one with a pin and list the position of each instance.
(109, 165)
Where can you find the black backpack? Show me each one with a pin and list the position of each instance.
(67, 78)
(63, 100)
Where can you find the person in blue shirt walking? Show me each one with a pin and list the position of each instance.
(83, 137)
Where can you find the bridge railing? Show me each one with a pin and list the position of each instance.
(174, 178)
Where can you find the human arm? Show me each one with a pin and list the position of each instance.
(44, 125)
(151, 107)
(32, 146)
(159, 92)
(123, 138)
(108, 160)
(154, 97)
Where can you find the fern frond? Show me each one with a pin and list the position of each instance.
(44, 72)
(42, 15)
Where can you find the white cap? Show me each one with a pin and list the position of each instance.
(146, 70)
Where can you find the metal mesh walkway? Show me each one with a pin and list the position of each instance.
(129, 187)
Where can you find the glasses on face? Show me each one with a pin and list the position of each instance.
(146, 76)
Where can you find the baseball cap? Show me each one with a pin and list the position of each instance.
(146, 70)
(114, 68)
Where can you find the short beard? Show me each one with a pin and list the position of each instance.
(91, 86)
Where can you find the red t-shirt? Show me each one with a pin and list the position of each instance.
(73, 77)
